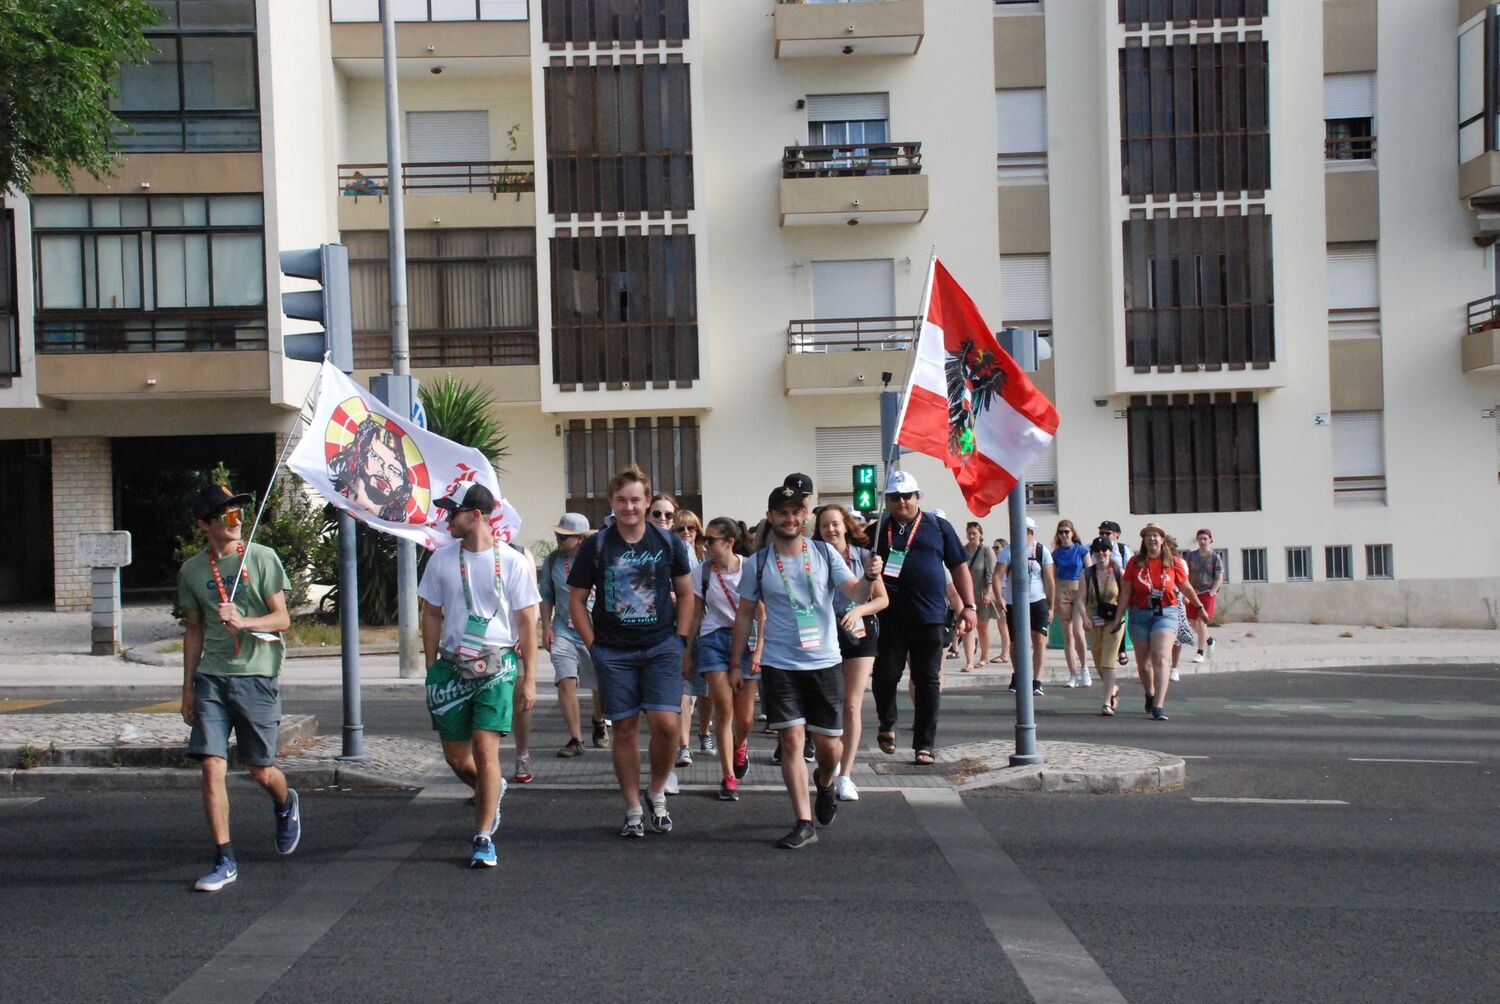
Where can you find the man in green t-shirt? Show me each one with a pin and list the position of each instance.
(233, 600)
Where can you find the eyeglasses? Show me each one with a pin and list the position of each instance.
(230, 517)
(903, 496)
(661, 514)
(1064, 531)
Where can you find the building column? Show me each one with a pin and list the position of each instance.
(82, 501)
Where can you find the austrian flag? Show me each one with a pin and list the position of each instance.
(968, 404)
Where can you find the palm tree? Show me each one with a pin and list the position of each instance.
(465, 413)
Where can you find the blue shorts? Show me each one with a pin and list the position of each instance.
(712, 655)
(633, 680)
(1143, 624)
(250, 706)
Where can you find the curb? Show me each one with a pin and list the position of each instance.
(294, 729)
(1077, 768)
(145, 656)
(42, 780)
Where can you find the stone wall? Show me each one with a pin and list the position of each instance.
(1427, 603)
(82, 501)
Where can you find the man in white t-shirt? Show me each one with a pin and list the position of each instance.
(1033, 613)
(479, 632)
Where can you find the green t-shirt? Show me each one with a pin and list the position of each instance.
(197, 590)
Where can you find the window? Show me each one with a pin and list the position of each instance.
(198, 89)
(1223, 553)
(596, 449)
(848, 119)
(861, 291)
(839, 449)
(1379, 563)
(1478, 51)
(1253, 565)
(1338, 562)
(607, 21)
(142, 273)
(1199, 290)
(1299, 564)
(445, 138)
(624, 310)
(10, 345)
(1026, 288)
(1021, 133)
(1194, 453)
(432, 10)
(1349, 116)
(1041, 480)
(1353, 276)
(471, 297)
(1134, 13)
(1358, 457)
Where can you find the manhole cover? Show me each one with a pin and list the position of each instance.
(895, 769)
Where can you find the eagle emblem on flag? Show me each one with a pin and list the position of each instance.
(975, 379)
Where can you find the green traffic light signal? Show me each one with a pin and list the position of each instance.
(864, 487)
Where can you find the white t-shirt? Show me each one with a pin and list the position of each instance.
(441, 587)
(1035, 588)
(718, 609)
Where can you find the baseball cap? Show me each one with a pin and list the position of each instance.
(572, 524)
(799, 483)
(785, 495)
(211, 498)
(1109, 525)
(1101, 545)
(901, 482)
(1205, 531)
(469, 495)
(1030, 523)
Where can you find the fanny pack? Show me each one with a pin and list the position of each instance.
(491, 660)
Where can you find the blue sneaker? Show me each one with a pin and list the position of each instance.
(484, 853)
(225, 871)
(289, 824)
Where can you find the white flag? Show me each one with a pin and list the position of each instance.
(383, 470)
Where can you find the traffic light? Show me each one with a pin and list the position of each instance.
(864, 487)
(327, 264)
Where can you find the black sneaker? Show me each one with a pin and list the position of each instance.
(809, 753)
(572, 748)
(633, 827)
(741, 761)
(1012, 687)
(776, 755)
(1150, 703)
(658, 816)
(802, 834)
(827, 805)
(1037, 691)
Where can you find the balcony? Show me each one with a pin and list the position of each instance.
(844, 354)
(495, 193)
(861, 28)
(823, 185)
(432, 29)
(447, 349)
(1481, 342)
(1368, 490)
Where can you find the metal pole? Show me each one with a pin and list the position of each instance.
(1020, 641)
(354, 726)
(406, 552)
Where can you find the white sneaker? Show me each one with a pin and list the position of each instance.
(846, 790)
(1175, 677)
(1072, 682)
(672, 787)
(1087, 681)
(1198, 657)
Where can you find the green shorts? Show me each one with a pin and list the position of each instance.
(460, 706)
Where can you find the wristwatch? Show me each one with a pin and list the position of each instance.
(970, 606)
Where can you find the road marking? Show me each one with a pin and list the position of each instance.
(1184, 756)
(248, 966)
(1051, 962)
(16, 803)
(15, 704)
(1393, 676)
(1274, 801)
(152, 709)
(1376, 759)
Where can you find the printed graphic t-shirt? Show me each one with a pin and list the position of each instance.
(442, 587)
(632, 585)
(1203, 569)
(783, 648)
(197, 590)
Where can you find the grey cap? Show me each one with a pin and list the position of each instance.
(572, 524)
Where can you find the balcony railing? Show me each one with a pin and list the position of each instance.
(1042, 495)
(440, 349)
(1012, 168)
(851, 161)
(1484, 314)
(432, 10)
(1349, 148)
(851, 334)
(161, 331)
(1348, 490)
(219, 131)
(491, 177)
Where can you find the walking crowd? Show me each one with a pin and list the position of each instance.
(662, 616)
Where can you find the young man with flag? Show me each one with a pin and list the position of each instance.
(233, 601)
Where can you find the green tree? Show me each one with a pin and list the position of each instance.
(58, 61)
(465, 413)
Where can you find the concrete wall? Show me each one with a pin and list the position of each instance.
(361, 111)
(82, 475)
(1454, 603)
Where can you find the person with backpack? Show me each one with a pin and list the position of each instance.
(1099, 600)
(1152, 582)
(1034, 613)
(1119, 554)
(572, 669)
(982, 571)
(1206, 571)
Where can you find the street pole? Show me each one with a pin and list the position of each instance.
(354, 725)
(406, 552)
(1021, 345)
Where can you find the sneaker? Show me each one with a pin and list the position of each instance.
(1158, 715)
(672, 786)
(1150, 703)
(225, 871)
(847, 791)
(809, 752)
(289, 824)
(776, 755)
(1124, 659)
(802, 834)
(483, 855)
(1036, 691)
(1085, 680)
(1012, 687)
(729, 789)
(1199, 656)
(826, 805)
(1174, 677)
(573, 747)
(601, 736)
(684, 757)
(741, 761)
(706, 744)
(1210, 644)
(633, 827)
(1072, 682)
(523, 773)
(661, 819)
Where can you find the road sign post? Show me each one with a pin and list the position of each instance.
(1022, 347)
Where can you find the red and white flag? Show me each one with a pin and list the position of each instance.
(968, 404)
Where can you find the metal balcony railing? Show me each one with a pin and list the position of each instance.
(1349, 148)
(73, 331)
(1359, 489)
(491, 177)
(851, 334)
(1484, 314)
(851, 161)
(440, 349)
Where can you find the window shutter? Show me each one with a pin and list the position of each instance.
(848, 107)
(1021, 121)
(1349, 96)
(838, 451)
(448, 136)
(1353, 277)
(1358, 444)
(1026, 287)
(1043, 470)
(864, 288)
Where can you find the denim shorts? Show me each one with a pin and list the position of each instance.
(571, 661)
(250, 706)
(712, 655)
(635, 679)
(1143, 624)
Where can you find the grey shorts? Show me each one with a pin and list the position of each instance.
(571, 661)
(250, 706)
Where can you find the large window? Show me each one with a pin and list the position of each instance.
(471, 297)
(197, 89)
(1194, 453)
(143, 273)
(666, 449)
(1349, 116)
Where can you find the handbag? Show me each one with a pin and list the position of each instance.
(1104, 611)
(492, 660)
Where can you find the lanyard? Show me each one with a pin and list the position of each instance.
(1145, 576)
(464, 578)
(911, 534)
(786, 584)
(728, 596)
(213, 566)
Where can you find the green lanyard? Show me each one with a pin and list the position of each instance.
(464, 578)
(809, 633)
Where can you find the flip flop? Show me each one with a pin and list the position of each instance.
(999, 660)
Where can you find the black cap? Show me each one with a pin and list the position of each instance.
(785, 495)
(1101, 544)
(211, 498)
(469, 495)
(800, 483)
(1110, 525)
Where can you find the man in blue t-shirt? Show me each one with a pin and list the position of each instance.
(635, 637)
(916, 547)
(802, 683)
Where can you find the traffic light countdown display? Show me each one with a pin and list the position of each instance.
(864, 487)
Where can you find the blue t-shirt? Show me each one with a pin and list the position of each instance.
(761, 582)
(552, 581)
(1069, 561)
(920, 595)
(632, 585)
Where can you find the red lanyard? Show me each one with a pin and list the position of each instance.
(911, 534)
(213, 566)
(728, 596)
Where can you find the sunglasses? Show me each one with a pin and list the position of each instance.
(709, 538)
(903, 496)
(684, 530)
(662, 514)
(230, 517)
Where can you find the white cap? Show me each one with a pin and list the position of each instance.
(939, 514)
(901, 481)
(1030, 523)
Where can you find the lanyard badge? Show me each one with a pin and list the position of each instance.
(897, 558)
(809, 633)
(476, 628)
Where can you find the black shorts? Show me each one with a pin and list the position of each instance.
(1041, 617)
(860, 648)
(810, 697)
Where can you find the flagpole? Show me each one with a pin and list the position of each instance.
(911, 362)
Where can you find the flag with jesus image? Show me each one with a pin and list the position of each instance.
(967, 403)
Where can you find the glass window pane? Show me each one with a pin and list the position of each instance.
(67, 211)
(133, 211)
(136, 135)
(223, 134)
(168, 11)
(219, 72)
(239, 268)
(166, 212)
(62, 272)
(194, 211)
(235, 210)
(106, 213)
(170, 290)
(150, 86)
(218, 14)
(195, 270)
(119, 273)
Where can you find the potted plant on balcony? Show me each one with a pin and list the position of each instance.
(512, 181)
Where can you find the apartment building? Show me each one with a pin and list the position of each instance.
(695, 234)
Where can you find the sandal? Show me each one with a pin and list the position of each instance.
(968, 669)
(1107, 711)
(887, 742)
(999, 660)
(1114, 700)
(923, 758)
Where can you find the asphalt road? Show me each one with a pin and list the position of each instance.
(1365, 874)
